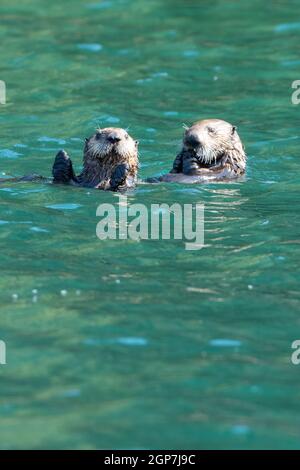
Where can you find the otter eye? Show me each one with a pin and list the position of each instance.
(211, 130)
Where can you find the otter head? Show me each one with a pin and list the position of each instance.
(214, 141)
(111, 142)
(104, 151)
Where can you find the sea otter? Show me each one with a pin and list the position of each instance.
(110, 162)
(212, 150)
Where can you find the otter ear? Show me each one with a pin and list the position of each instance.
(136, 143)
(234, 128)
(86, 140)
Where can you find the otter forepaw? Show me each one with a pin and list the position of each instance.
(118, 178)
(177, 164)
(62, 170)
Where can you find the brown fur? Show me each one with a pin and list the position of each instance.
(219, 141)
(211, 150)
(101, 157)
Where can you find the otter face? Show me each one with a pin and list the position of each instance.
(209, 140)
(113, 142)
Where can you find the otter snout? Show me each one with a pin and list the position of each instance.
(114, 138)
(193, 144)
(192, 141)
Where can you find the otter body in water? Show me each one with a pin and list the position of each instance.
(110, 162)
(212, 150)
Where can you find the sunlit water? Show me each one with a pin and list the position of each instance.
(125, 344)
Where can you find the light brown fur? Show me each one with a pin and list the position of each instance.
(218, 140)
(211, 150)
(101, 157)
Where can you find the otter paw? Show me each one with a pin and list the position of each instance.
(62, 170)
(119, 176)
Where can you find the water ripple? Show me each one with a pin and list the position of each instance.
(90, 47)
(66, 206)
(225, 343)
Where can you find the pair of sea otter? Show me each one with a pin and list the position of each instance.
(211, 151)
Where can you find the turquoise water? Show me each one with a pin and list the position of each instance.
(124, 344)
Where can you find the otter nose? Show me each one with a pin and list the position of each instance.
(114, 139)
(192, 141)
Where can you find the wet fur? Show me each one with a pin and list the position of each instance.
(216, 153)
(106, 165)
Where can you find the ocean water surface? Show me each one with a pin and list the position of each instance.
(143, 344)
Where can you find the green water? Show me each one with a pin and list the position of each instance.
(151, 346)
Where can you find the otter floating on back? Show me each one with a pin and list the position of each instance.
(211, 151)
(110, 162)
